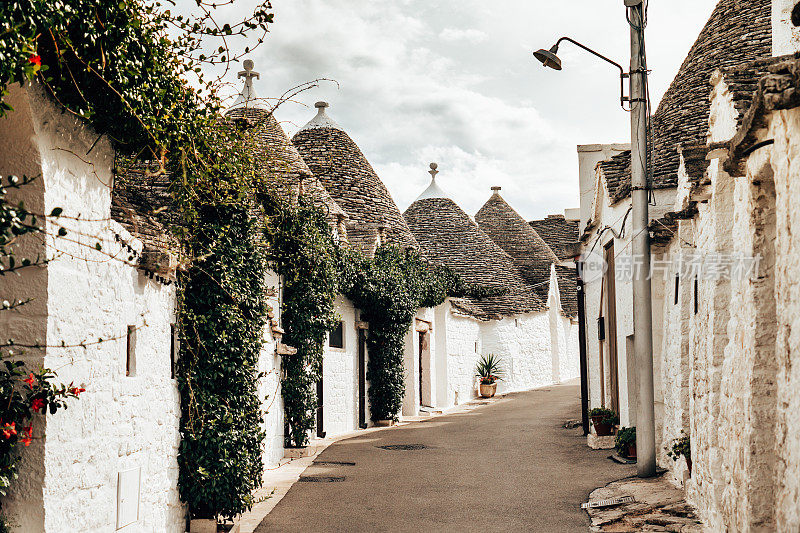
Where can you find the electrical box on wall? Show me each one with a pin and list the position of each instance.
(128, 497)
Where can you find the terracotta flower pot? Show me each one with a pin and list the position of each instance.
(602, 429)
(487, 391)
(632, 451)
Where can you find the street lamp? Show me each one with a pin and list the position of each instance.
(636, 14)
(549, 58)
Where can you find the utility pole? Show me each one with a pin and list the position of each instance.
(640, 247)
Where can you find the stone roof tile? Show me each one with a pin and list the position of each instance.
(448, 236)
(737, 32)
(343, 170)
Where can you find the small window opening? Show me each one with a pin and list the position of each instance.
(336, 336)
(677, 287)
(173, 349)
(516, 322)
(130, 352)
(796, 15)
(476, 347)
(696, 296)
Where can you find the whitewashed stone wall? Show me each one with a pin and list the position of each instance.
(673, 415)
(340, 376)
(463, 349)
(269, 389)
(611, 216)
(537, 349)
(784, 157)
(69, 479)
(785, 35)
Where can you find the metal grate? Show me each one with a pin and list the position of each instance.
(334, 463)
(611, 502)
(403, 447)
(321, 479)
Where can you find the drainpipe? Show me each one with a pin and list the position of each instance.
(582, 346)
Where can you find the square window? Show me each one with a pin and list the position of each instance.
(174, 346)
(336, 336)
(130, 352)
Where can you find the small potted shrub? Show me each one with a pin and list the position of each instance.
(682, 446)
(489, 371)
(603, 420)
(625, 443)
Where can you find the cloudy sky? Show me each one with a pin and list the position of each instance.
(453, 81)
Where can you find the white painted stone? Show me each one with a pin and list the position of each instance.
(69, 477)
(785, 36)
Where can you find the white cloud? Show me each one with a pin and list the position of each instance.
(413, 89)
(471, 35)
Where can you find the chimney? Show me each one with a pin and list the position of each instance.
(785, 27)
(382, 238)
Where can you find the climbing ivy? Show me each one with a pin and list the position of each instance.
(302, 250)
(130, 69)
(389, 289)
(223, 315)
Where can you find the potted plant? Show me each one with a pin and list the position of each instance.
(603, 420)
(625, 442)
(489, 371)
(682, 446)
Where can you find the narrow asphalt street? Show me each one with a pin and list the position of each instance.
(508, 466)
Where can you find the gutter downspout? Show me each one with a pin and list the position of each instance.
(582, 348)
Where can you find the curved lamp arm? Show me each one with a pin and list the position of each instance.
(622, 74)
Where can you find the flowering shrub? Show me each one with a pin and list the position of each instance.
(24, 394)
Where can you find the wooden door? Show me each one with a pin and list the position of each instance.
(611, 326)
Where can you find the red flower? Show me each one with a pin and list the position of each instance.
(8, 430)
(38, 404)
(30, 380)
(36, 60)
(28, 435)
(76, 390)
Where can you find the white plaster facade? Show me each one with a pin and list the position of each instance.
(536, 349)
(340, 375)
(68, 479)
(785, 35)
(611, 230)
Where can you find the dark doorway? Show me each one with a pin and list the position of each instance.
(421, 363)
(362, 378)
(320, 409)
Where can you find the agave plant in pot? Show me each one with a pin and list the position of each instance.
(489, 371)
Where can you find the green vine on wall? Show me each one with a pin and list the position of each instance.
(302, 250)
(223, 315)
(389, 289)
(128, 69)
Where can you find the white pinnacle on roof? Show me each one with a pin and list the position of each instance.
(248, 97)
(321, 120)
(433, 190)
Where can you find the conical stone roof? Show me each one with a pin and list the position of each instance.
(448, 236)
(532, 256)
(340, 165)
(283, 165)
